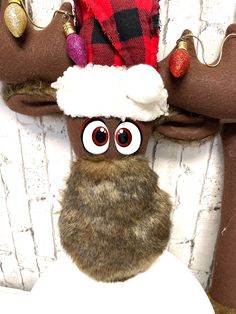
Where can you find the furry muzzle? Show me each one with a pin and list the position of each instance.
(115, 221)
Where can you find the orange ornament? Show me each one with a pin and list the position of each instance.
(179, 61)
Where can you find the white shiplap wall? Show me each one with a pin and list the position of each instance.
(35, 155)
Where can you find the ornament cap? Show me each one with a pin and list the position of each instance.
(14, 1)
(183, 45)
(69, 28)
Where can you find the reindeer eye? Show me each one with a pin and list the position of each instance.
(95, 137)
(127, 138)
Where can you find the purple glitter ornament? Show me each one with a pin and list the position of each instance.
(76, 49)
(75, 45)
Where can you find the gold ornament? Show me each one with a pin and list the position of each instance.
(15, 18)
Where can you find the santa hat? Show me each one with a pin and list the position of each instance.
(121, 78)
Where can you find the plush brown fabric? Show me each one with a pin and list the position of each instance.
(115, 221)
(207, 91)
(37, 55)
(75, 128)
(223, 289)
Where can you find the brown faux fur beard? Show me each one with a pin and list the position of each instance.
(115, 221)
(221, 309)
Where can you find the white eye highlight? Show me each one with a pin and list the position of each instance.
(95, 137)
(128, 138)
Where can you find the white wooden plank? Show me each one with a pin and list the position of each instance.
(167, 165)
(11, 271)
(209, 216)
(180, 15)
(218, 12)
(12, 181)
(203, 277)
(215, 17)
(6, 243)
(150, 152)
(204, 241)
(13, 177)
(59, 156)
(42, 10)
(212, 187)
(35, 170)
(188, 190)
(181, 249)
(2, 277)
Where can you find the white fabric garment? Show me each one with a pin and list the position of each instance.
(167, 287)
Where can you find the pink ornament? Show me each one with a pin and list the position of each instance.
(76, 49)
(75, 46)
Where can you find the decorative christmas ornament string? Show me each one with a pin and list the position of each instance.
(179, 61)
(16, 17)
(65, 13)
(28, 17)
(211, 65)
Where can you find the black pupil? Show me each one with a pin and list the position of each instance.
(101, 135)
(123, 137)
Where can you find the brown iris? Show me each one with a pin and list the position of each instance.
(123, 137)
(100, 136)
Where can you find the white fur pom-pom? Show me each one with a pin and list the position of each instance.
(143, 84)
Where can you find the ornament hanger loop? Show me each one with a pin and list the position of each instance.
(29, 18)
(65, 13)
(212, 65)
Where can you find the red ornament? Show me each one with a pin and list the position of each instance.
(179, 61)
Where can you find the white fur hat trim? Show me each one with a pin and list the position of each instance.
(137, 92)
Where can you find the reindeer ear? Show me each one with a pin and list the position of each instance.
(186, 126)
(33, 99)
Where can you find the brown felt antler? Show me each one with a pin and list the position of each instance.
(207, 91)
(204, 90)
(211, 92)
(36, 56)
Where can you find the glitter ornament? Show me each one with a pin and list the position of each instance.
(179, 61)
(15, 18)
(75, 45)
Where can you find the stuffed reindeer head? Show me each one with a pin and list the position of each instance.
(115, 221)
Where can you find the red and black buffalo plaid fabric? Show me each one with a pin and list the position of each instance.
(119, 32)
